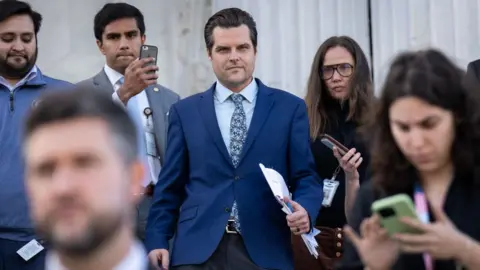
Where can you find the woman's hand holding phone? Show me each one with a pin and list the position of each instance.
(376, 249)
(349, 163)
(441, 239)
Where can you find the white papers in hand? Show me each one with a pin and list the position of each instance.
(276, 182)
(280, 190)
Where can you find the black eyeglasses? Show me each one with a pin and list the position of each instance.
(345, 70)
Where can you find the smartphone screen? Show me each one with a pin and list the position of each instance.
(330, 143)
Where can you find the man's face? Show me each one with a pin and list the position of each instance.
(81, 191)
(233, 56)
(121, 42)
(18, 47)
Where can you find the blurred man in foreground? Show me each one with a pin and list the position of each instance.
(83, 187)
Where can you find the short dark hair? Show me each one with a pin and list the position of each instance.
(229, 18)
(82, 102)
(432, 77)
(10, 8)
(111, 12)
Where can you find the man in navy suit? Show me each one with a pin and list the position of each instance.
(211, 191)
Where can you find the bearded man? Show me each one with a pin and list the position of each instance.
(21, 82)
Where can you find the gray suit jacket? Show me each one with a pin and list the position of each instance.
(160, 99)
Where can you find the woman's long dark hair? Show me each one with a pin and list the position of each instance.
(361, 90)
(430, 76)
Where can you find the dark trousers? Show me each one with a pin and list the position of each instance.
(143, 209)
(10, 260)
(230, 254)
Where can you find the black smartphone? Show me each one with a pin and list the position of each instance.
(147, 51)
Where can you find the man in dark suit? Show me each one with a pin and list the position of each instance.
(120, 32)
(94, 150)
(211, 190)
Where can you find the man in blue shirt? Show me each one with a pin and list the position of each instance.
(211, 192)
(21, 82)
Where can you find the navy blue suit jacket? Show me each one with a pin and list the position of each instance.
(198, 182)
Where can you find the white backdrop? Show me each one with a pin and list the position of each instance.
(449, 25)
(290, 32)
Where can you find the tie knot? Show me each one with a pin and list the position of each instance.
(120, 81)
(237, 98)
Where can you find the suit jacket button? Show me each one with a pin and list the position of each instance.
(227, 209)
(237, 177)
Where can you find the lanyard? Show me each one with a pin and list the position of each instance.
(335, 173)
(421, 206)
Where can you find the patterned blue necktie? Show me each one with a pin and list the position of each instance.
(238, 134)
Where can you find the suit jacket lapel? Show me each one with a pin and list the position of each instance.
(102, 82)
(262, 109)
(207, 110)
(159, 115)
(159, 110)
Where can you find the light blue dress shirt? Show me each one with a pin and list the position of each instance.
(224, 107)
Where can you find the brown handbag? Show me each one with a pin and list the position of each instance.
(330, 250)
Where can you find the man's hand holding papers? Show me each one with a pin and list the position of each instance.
(298, 221)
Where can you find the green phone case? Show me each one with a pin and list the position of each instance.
(391, 209)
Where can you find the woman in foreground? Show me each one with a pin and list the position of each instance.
(426, 143)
